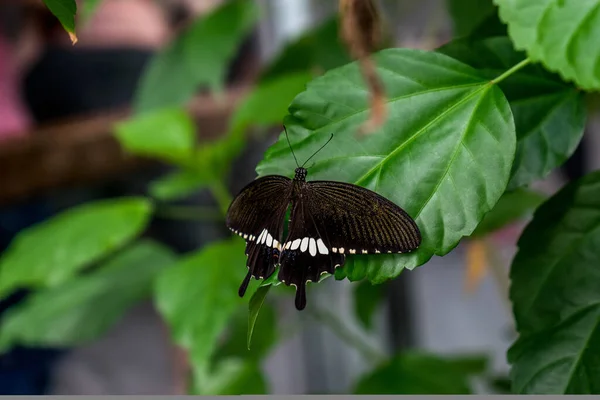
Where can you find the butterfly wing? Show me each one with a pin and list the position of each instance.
(332, 219)
(257, 214)
(360, 221)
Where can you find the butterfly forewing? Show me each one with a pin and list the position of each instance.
(359, 221)
(257, 214)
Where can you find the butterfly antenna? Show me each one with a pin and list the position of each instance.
(315, 153)
(289, 144)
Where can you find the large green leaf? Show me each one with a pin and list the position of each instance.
(51, 252)
(318, 49)
(444, 154)
(85, 307)
(199, 56)
(467, 15)
(555, 280)
(199, 295)
(65, 11)
(549, 114)
(168, 134)
(563, 34)
(511, 207)
(415, 373)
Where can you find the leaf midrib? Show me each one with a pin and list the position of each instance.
(483, 87)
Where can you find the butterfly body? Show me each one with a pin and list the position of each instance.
(328, 221)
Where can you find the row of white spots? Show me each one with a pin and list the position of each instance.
(304, 244)
(313, 246)
(266, 238)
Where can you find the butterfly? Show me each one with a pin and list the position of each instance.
(328, 220)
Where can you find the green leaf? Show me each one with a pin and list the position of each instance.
(563, 35)
(85, 307)
(367, 297)
(265, 334)
(549, 114)
(555, 295)
(65, 11)
(198, 296)
(256, 303)
(51, 252)
(89, 8)
(444, 154)
(511, 207)
(168, 134)
(177, 184)
(231, 377)
(197, 57)
(415, 373)
(317, 49)
(267, 104)
(467, 15)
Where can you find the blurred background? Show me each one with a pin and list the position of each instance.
(58, 103)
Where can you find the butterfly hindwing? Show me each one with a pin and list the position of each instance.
(257, 214)
(305, 254)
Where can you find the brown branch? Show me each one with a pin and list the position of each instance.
(361, 30)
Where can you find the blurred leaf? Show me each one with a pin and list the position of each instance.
(231, 377)
(85, 307)
(500, 384)
(511, 207)
(444, 155)
(469, 14)
(554, 291)
(415, 373)
(265, 334)
(177, 184)
(491, 26)
(169, 135)
(267, 104)
(549, 114)
(317, 49)
(65, 11)
(89, 8)
(197, 57)
(563, 35)
(367, 297)
(51, 252)
(198, 296)
(256, 302)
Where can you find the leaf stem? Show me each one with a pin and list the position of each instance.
(334, 323)
(511, 71)
(222, 195)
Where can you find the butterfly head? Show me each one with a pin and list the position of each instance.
(300, 174)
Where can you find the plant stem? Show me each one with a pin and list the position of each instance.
(332, 321)
(222, 195)
(191, 213)
(511, 71)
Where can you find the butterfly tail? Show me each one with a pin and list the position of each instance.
(244, 285)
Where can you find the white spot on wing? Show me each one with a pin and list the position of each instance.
(322, 247)
(295, 244)
(304, 244)
(352, 251)
(334, 249)
(364, 251)
(341, 250)
(269, 240)
(312, 247)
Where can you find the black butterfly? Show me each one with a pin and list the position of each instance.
(328, 220)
